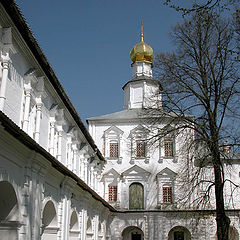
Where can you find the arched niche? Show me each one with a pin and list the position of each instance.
(100, 231)
(132, 233)
(136, 196)
(74, 230)
(89, 232)
(9, 212)
(49, 222)
(179, 233)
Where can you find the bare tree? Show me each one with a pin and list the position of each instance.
(200, 82)
(201, 5)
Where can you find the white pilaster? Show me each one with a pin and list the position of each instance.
(5, 65)
(38, 120)
(27, 107)
(59, 140)
(52, 133)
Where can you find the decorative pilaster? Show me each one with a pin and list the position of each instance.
(75, 151)
(67, 186)
(52, 134)
(38, 120)
(26, 109)
(39, 104)
(92, 177)
(85, 170)
(59, 143)
(82, 166)
(5, 68)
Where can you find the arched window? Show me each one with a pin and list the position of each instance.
(136, 196)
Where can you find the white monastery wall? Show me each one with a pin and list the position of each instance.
(52, 175)
(31, 101)
(49, 204)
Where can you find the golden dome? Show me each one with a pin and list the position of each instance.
(141, 51)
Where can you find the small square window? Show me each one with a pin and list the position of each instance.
(167, 194)
(112, 193)
(140, 149)
(113, 150)
(168, 148)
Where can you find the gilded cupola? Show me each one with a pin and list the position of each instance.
(141, 51)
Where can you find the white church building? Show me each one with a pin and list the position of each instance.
(60, 182)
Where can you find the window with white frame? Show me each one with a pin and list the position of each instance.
(112, 142)
(166, 182)
(113, 149)
(139, 149)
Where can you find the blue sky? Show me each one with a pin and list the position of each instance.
(88, 42)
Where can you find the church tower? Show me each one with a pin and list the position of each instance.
(142, 91)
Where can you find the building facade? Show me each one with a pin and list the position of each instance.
(144, 175)
(56, 184)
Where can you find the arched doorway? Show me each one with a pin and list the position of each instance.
(132, 233)
(179, 233)
(136, 196)
(9, 212)
(49, 222)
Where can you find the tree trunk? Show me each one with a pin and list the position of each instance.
(222, 219)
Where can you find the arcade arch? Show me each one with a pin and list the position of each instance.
(179, 233)
(132, 233)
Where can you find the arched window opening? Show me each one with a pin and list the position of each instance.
(74, 230)
(179, 233)
(136, 196)
(9, 212)
(49, 222)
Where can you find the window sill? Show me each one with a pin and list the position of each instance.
(166, 206)
(118, 159)
(145, 159)
(174, 159)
